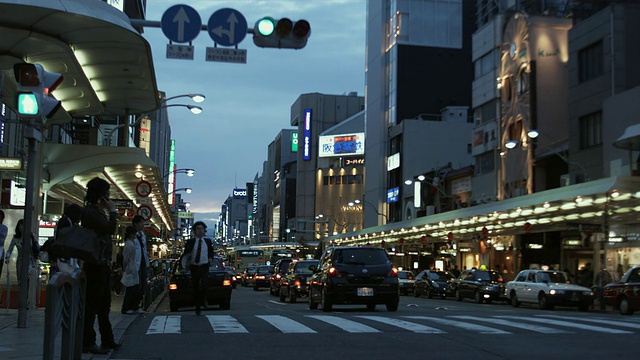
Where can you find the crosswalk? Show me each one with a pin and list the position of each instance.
(309, 324)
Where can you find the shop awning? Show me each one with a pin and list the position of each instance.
(70, 167)
(550, 210)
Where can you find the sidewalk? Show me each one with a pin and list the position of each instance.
(27, 343)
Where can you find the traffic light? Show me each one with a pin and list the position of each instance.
(34, 87)
(282, 34)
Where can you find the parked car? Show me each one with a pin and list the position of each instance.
(279, 269)
(261, 277)
(218, 291)
(480, 285)
(247, 275)
(293, 284)
(406, 279)
(548, 288)
(434, 283)
(354, 275)
(624, 295)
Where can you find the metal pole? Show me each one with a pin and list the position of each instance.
(34, 136)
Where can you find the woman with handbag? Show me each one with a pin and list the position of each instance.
(16, 243)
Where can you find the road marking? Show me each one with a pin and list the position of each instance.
(536, 328)
(467, 326)
(345, 324)
(277, 302)
(571, 324)
(417, 328)
(225, 324)
(164, 325)
(598, 321)
(285, 325)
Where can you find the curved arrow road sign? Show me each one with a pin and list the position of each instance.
(227, 27)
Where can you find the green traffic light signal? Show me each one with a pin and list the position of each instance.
(27, 104)
(266, 26)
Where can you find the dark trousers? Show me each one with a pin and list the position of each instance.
(199, 277)
(97, 302)
(131, 298)
(142, 285)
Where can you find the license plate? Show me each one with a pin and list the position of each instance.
(365, 292)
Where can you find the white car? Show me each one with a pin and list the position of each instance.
(547, 288)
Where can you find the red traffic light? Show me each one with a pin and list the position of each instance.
(26, 74)
(301, 29)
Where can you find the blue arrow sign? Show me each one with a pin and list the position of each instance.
(227, 27)
(181, 23)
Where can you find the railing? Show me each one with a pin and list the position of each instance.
(65, 311)
(154, 288)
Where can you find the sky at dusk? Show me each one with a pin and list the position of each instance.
(248, 104)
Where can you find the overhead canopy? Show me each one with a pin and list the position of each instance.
(106, 64)
(630, 140)
(70, 167)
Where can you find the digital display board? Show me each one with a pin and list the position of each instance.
(341, 145)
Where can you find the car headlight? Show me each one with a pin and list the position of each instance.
(588, 293)
(435, 284)
(487, 288)
(556, 292)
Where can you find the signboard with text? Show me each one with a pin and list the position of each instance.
(341, 145)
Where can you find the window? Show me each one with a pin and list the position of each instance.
(591, 130)
(484, 163)
(590, 62)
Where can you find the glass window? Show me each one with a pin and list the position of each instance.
(591, 130)
(590, 62)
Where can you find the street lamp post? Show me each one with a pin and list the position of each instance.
(358, 201)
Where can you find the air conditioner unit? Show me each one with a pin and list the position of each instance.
(565, 180)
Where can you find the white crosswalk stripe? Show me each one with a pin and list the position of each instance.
(286, 325)
(226, 324)
(552, 324)
(410, 326)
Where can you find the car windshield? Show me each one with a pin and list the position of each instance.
(553, 277)
(361, 256)
(440, 275)
(302, 267)
(487, 276)
(405, 275)
(263, 270)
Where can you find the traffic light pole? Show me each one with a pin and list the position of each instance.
(34, 137)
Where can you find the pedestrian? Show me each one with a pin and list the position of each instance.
(455, 271)
(3, 236)
(145, 273)
(16, 243)
(131, 271)
(199, 253)
(98, 292)
(603, 277)
(70, 217)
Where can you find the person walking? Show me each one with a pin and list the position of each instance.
(131, 271)
(3, 236)
(145, 271)
(98, 294)
(603, 277)
(16, 243)
(199, 251)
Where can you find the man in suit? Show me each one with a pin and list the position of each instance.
(199, 251)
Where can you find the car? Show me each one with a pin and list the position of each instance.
(218, 291)
(235, 279)
(261, 277)
(479, 285)
(293, 284)
(624, 295)
(279, 268)
(354, 275)
(247, 275)
(405, 281)
(548, 288)
(434, 283)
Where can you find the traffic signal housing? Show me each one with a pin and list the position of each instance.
(282, 34)
(34, 88)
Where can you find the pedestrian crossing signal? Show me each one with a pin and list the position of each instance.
(33, 90)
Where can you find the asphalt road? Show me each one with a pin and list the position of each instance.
(258, 326)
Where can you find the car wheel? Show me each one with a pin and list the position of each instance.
(458, 296)
(393, 306)
(583, 307)
(371, 306)
(543, 303)
(514, 299)
(226, 304)
(173, 307)
(624, 307)
(478, 297)
(326, 304)
(312, 305)
(292, 297)
(281, 295)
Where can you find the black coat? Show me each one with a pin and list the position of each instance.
(188, 249)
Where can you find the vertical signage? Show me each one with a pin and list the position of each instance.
(294, 142)
(172, 172)
(306, 136)
(254, 207)
(250, 199)
(3, 113)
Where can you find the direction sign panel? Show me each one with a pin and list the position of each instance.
(227, 27)
(226, 55)
(145, 211)
(181, 23)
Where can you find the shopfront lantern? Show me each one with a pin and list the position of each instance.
(423, 239)
(401, 240)
(527, 228)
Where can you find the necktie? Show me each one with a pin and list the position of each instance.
(198, 251)
(142, 262)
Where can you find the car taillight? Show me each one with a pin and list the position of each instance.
(393, 272)
(278, 277)
(333, 272)
(226, 282)
(173, 286)
(296, 283)
(410, 277)
(500, 281)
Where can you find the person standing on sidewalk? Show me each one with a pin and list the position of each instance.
(200, 252)
(603, 277)
(98, 297)
(145, 271)
(3, 236)
(131, 271)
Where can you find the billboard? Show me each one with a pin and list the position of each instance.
(341, 145)
(306, 136)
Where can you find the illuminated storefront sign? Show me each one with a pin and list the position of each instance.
(239, 193)
(294, 141)
(306, 136)
(341, 145)
(393, 195)
(393, 162)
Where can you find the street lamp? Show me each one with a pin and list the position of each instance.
(196, 97)
(189, 172)
(187, 190)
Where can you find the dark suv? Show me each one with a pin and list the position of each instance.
(480, 285)
(354, 275)
(279, 268)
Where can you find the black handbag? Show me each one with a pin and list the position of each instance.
(77, 242)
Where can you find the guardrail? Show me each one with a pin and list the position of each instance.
(154, 288)
(65, 312)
